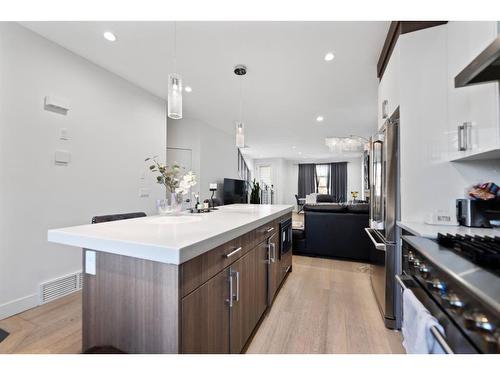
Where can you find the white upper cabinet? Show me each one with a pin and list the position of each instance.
(473, 113)
(388, 89)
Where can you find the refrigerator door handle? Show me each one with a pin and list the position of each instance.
(378, 245)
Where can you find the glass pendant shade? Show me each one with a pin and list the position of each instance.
(174, 96)
(240, 135)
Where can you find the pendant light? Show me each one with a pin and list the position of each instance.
(240, 134)
(174, 103)
(240, 70)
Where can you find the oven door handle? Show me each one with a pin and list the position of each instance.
(378, 245)
(441, 340)
(434, 331)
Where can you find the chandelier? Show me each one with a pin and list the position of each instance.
(350, 144)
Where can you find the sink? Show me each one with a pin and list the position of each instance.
(181, 219)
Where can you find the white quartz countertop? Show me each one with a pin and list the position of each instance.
(170, 239)
(431, 231)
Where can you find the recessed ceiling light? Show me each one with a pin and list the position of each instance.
(188, 89)
(108, 35)
(329, 56)
(294, 147)
(320, 119)
(300, 152)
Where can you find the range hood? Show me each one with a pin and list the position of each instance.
(484, 68)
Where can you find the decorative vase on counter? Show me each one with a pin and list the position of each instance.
(176, 202)
(172, 205)
(177, 184)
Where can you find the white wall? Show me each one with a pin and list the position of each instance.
(215, 155)
(112, 126)
(428, 181)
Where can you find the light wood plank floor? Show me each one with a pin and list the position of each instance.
(325, 306)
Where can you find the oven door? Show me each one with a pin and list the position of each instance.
(453, 341)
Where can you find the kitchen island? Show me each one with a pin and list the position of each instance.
(193, 283)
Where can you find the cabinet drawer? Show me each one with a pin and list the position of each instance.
(200, 269)
(197, 271)
(266, 231)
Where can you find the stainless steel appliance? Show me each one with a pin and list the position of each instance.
(384, 212)
(463, 297)
(477, 213)
(286, 235)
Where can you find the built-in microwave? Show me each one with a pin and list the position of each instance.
(285, 236)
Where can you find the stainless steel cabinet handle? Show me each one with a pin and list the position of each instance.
(273, 246)
(233, 252)
(230, 299)
(385, 104)
(269, 230)
(268, 260)
(463, 136)
(237, 297)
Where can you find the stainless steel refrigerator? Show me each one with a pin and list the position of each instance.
(384, 212)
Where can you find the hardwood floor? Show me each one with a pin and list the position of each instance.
(325, 306)
(55, 327)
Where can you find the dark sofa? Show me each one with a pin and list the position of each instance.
(337, 231)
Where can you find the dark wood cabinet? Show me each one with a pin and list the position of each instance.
(242, 314)
(274, 272)
(205, 317)
(261, 271)
(209, 304)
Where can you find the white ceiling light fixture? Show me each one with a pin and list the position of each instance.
(188, 89)
(329, 56)
(174, 110)
(342, 145)
(320, 119)
(109, 36)
(240, 71)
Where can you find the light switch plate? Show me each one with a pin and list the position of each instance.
(62, 157)
(90, 262)
(63, 134)
(144, 193)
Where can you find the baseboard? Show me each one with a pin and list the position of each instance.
(18, 305)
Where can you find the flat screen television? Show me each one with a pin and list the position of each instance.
(235, 191)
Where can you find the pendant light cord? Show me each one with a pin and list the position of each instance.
(175, 47)
(241, 99)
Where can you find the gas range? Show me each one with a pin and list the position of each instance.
(448, 277)
(483, 251)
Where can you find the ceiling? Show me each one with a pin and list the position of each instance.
(287, 86)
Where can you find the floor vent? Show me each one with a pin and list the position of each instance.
(60, 287)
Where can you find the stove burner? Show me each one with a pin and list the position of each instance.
(483, 251)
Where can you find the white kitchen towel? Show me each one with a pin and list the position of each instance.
(417, 323)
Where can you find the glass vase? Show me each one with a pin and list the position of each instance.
(176, 202)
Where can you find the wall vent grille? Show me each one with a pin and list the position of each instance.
(60, 287)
